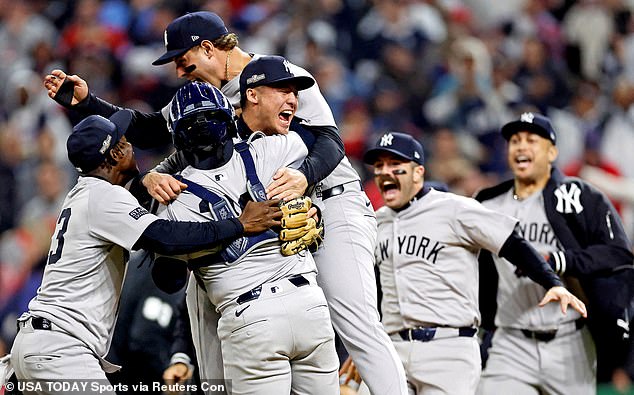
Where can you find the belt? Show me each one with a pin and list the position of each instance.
(546, 336)
(341, 188)
(39, 323)
(297, 280)
(427, 334)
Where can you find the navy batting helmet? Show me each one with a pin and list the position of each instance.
(201, 118)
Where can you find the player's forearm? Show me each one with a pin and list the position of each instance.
(173, 237)
(596, 259)
(520, 253)
(325, 150)
(147, 130)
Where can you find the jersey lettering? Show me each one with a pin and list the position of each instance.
(383, 246)
(567, 199)
(419, 248)
(64, 217)
(539, 233)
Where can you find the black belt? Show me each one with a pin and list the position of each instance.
(339, 189)
(546, 336)
(297, 280)
(427, 334)
(38, 323)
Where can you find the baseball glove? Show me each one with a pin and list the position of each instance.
(299, 232)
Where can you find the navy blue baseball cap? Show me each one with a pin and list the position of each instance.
(530, 122)
(269, 70)
(399, 144)
(189, 30)
(93, 137)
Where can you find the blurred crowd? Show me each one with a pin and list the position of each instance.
(449, 72)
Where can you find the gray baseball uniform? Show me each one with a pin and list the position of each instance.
(98, 225)
(519, 364)
(427, 256)
(345, 262)
(278, 339)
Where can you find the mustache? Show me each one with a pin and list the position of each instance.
(190, 68)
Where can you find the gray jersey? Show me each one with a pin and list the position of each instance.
(99, 223)
(518, 297)
(428, 255)
(226, 282)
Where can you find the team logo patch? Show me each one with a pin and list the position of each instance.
(568, 199)
(255, 78)
(105, 144)
(138, 212)
(194, 38)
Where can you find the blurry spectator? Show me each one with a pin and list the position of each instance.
(86, 32)
(580, 123)
(618, 136)
(44, 207)
(589, 44)
(541, 80)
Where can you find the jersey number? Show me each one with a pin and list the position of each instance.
(63, 217)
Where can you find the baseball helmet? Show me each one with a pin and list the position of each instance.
(201, 119)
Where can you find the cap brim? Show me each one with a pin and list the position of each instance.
(370, 156)
(518, 126)
(301, 82)
(168, 56)
(122, 120)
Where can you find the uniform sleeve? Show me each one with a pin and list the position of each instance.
(312, 106)
(147, 130)
(115, 215)
(482, 227)
(603, 245)
(325, 150)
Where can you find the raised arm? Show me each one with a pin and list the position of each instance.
(147, 130)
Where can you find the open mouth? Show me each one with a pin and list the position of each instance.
(522, 161)
(285, 116)
(389, 188)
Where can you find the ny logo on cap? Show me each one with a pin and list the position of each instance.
(386, 139)
(287, 66)
(527, 117)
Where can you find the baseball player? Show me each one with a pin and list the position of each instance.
(67, 331)
(275, 329)
(427, 250)
(346, 259)
(535, 350)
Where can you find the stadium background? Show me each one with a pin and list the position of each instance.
(449, 72)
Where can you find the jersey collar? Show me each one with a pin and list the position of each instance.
(423, 191)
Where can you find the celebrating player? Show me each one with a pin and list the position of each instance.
(202, 49)
(578, 229)
(275, 329)
(66, 332)
(427, 250)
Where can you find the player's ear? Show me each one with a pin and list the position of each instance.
(252, 95)
(418, 172)
(207, 47)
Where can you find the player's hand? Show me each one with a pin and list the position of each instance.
(162, 187)
(177, 373)
(349, 378)
(53, 84)
(257, 217)
(565, 299)
(287, 184)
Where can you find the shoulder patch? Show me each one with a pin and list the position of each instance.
(138, 212)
